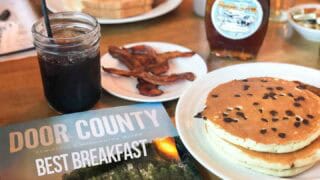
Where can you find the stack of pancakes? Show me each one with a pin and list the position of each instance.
(112, 9)
(265, 124)
(116, 8)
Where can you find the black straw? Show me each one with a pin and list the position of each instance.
(46, 18)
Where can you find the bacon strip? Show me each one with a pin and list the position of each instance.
(124, 57)
(163, 57)
(151, 78)
(151, 61)
(146, 64)
(147, 89)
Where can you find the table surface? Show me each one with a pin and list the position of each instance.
(21, 94)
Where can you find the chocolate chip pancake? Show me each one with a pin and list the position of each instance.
(264, 114)
(280, 164)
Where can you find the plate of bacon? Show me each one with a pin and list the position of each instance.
(150, 71)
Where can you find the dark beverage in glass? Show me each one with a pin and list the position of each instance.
(70, 61)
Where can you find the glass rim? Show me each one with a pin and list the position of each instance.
(96, 26)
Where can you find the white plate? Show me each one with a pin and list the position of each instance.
(125, 88)
(192, 101)
(163, 8)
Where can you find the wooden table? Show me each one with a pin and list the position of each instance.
(21, 94)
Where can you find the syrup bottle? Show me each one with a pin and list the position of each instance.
(236, 28)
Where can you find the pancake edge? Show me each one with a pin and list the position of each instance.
(253, 145)
(241, 156)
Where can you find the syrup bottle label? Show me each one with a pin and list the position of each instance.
(236, 19)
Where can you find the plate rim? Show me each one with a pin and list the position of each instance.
(171, 5)
(179, 106)
(155, 99)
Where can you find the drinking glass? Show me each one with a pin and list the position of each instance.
(69, 61)
(278, 12)
(199, 7)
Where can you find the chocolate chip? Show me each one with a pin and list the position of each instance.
(263, 131)
(227, 120)
(269, 88)
(289, 113)
(198, 115)
(305, 121)
(290, 95)
(4, 15)
(237, 108)
(246, 87)
(285, 118)
(264, 80)
(237, 95)
(261, 111)
(273, 97)
(299, 98)
(265, 96)
(264, 120)
(301, 86)
(214, 95)
(297, 124)
(250, 94)
(269, 95)
(275, 119)
(310, 116)
(272, 94)
(256, 104)
(279, 88)
(241, 114)
(297, 104)
(274, 129)
(273, 112)
(205, 118)
(244, 80)
(298, 119)
(282, 135)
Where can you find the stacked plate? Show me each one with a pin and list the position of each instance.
(229, 157)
